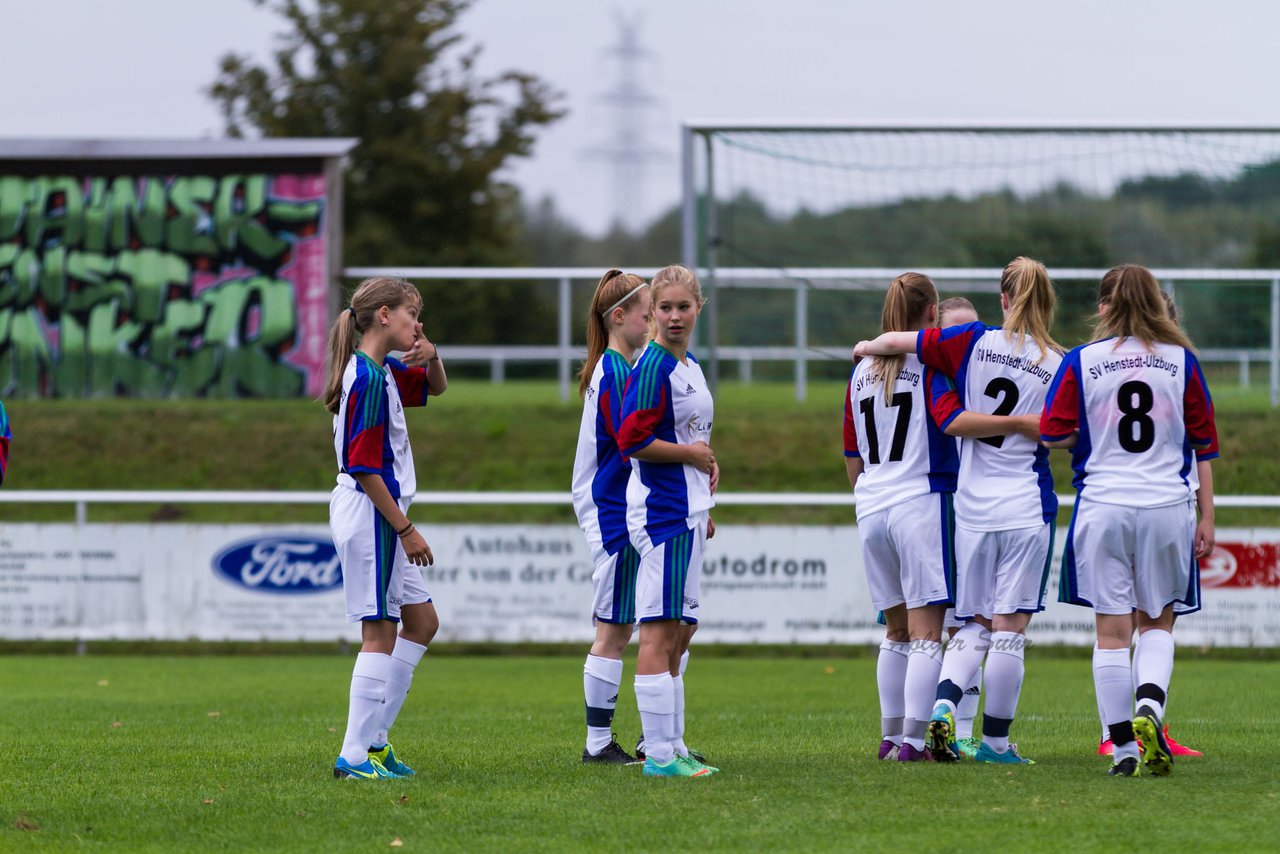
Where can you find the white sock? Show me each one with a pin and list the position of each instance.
(1113, 680)
(891, 680)
(368, 690)
(967, 711)
(677, 719)
(1102, 719)
(1153, 668)
(1004, 672)
(601, 679)
(965, 653)
(684, 662)
(655, 698)
(923, 665)
(404, 659)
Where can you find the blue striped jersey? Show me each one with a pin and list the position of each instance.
(369, 431)
(600, 474)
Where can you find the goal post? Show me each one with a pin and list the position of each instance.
(803, 200)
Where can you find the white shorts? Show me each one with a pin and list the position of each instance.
(377, 578)
(669, 579)
(613, 584)
(1119, 559)
(1002, 572)
(908, 550)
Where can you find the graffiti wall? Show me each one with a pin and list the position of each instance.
(178, 286)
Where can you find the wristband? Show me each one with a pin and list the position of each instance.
(406, 529)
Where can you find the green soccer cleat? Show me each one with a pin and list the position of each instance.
(1156, 756)
(984, 753)
(387, 757)
(940, 741)
(968, 747)
(680, 766)
(697, 763)
(370, 769)
(1127, 767)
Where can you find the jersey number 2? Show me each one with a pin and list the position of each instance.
(867, 406)
(1003, 388)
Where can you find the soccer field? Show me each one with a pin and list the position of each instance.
(234, 753)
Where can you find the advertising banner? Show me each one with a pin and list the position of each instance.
(512, 583)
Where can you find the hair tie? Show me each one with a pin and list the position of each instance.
(608, 311)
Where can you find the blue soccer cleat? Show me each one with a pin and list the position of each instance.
(1009, 757)
(386, 755)
(370, 769)
(680, 766)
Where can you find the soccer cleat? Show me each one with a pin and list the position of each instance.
(677, 767)
(907, 753)
(613, 754)
(1178, 749)
(386, 756)
(941, 738)
(968, 747)
(1155, 750)
(1127, 767)
(984, 753)
(888, 750)
(697, 763)
(1106, 748)
(370, 769)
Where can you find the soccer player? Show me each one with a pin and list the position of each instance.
(617, 326)
(956, 311)
(1203, 468)
(1005, 504)
(1133, 405)
(379, 549)
(667, 415)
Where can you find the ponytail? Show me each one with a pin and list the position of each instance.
(1136, 308)
(1026, 283)
(371, 295)
(615, 289)
(905, 305)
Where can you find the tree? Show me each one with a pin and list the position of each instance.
(423, 184)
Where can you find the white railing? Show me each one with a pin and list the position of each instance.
(565, 354)
(82, 498)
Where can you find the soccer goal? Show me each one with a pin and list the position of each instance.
(799, 227)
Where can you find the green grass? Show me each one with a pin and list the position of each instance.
(479, 436)
(234, 754)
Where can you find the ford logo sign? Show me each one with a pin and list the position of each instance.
(285, 563)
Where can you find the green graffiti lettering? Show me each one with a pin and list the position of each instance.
(241, 200)
(52, 287)
(19, 274)
(92, 282)
(190, 230)
(25, 354)
(114, 367)
(14, 194)
(153, 274)
(133, 217)
(249, 364)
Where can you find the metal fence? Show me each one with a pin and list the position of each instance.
(801, 282)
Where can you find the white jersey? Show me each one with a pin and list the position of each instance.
(1005, 482)
(600, 474)
(665, 399)
(904, 452)
(369, 430)
(1139, 411)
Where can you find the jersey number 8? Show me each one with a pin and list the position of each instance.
(1137, 430)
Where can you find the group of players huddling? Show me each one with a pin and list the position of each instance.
(947, 431)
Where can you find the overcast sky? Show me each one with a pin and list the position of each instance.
(136, 68)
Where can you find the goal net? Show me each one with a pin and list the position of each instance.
(811, 207)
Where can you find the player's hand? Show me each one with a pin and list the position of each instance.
(711, 528)
(861, 351)
(1204, 538)
(417, 550)
(422, 352)
(715, 476)
(702, 457)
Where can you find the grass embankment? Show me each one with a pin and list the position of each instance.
(478, 436)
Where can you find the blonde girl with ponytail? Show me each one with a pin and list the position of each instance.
(379, 549)
(1134, 407)
(1005, 503)
(617, 327)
